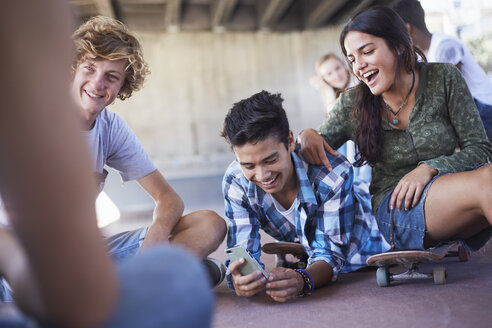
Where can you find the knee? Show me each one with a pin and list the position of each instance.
(485, 177)
(483, 185)
(212, 224)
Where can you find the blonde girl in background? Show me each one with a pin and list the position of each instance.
(331, 79)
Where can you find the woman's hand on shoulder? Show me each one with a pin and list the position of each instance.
(314, 148)
(411, 186)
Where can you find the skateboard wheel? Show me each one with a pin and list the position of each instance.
(463, 254)
(439, 275)
(383, 277)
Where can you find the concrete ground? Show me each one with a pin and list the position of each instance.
(355, 300)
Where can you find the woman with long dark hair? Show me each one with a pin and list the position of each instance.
(408, 118)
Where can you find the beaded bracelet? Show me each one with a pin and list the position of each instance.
(308, 287)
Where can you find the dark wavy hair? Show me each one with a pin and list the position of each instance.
(384, 23)
(255, 119)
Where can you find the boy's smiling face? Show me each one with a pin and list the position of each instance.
(96, 84)
(268, 164)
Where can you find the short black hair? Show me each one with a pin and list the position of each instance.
(255, 119)
(411, 12)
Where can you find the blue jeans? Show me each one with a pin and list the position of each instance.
(164, 286)
(485, 112)
(362, 175)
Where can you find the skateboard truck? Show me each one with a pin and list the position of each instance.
(384, 277)
(281, 249)
(410, 260)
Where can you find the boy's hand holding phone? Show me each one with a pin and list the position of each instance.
(247, 285)
(249, 278)
(247, 275)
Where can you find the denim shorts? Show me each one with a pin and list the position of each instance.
(409, 226)
(125, 244)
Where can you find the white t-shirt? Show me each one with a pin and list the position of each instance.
(112, 142)
(289, 214)
(448, 49)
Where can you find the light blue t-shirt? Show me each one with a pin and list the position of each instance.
(112, 142)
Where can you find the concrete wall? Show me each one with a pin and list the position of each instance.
(195, 79)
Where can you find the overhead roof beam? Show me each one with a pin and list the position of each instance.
(322, 12)
(105, 8)
(272, 13)
(221, 13)
(346, 15)
(172, 17)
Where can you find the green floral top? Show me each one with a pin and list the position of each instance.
(444, 116)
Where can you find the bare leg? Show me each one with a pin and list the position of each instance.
(459, 205)
(200, 231)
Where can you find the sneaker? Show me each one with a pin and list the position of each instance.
(216, 270)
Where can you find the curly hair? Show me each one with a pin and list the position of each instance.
(106, 38)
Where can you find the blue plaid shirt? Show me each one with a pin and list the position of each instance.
(333, 222)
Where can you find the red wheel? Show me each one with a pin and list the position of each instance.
(463, 254)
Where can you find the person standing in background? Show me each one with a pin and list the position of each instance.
(443, 48)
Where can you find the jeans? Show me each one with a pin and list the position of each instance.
(362, 175)
(485, 112)
(164, 286)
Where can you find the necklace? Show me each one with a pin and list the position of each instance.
(395, 119)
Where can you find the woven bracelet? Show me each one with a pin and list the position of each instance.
(308, 287)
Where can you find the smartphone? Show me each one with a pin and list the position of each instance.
(249, 266)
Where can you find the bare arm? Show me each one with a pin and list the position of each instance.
(168, 210)
(44, 172)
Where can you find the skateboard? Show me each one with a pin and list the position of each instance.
(281, 249)
(410, 260)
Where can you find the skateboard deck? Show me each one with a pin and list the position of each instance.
(282, 248)
(410, 260)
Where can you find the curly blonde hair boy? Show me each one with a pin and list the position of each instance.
(106, 38)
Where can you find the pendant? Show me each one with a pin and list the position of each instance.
(395, 121)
